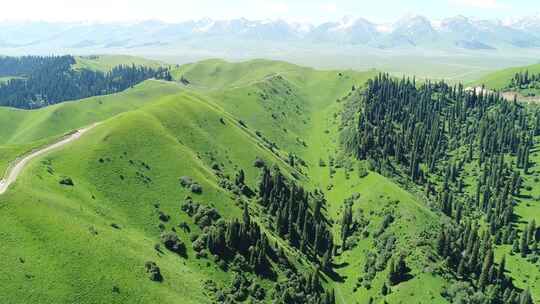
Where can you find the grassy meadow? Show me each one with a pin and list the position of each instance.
(88, 243)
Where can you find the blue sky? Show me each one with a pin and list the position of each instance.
(299, 10)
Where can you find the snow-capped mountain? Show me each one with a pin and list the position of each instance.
(529, 24)
(257, 30)
(410, 31)
(414, 29)
(349, 30)
(459, 25)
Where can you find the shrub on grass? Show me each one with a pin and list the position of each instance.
(215, 167)
(173, 243)
(67, 181)
(164, 217)
(388, 219)
(205, 216)
(196, 188)
(184, 226)
(199, 244)
(153, 271)
(189, 206)
(186, 181)
(259, 163)
(362, 171)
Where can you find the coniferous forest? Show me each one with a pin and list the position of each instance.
(42, 81)
(432, 135)
(525, 79)
(525, 83)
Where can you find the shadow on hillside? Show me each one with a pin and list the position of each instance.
(341, 265)
(336, 277)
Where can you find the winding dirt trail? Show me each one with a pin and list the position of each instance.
(16, 168)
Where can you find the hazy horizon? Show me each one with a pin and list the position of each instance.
(315, 12)
(457, 48)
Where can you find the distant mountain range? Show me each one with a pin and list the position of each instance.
(411, 31)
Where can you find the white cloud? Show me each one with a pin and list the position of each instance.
(329, 7)
(274, 7)
(95, 10)
(485, 4)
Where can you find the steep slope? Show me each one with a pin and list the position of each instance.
(287, 103)
(24, 130)
(524, 270)
(58, 240)
(478, 191)
(299, 109)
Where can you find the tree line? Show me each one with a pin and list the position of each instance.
(470, 251)
(305, 227)
(23, 66)
(524, 79)
(242, 246)
(431, 134)
(48, 80)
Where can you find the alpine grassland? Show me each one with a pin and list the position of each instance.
(267, 182)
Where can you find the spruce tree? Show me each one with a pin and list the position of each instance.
(531, 232)
(326, 263)
(483, 280)
(501, 269)
(515, 246)
(245, 215)
(461, 270)
(524, 245)
(526, 297)
(346, 221)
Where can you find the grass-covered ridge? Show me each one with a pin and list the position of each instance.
(105, 63)
(24, 130)
(90, 241)
(501, 79)
(153, 136)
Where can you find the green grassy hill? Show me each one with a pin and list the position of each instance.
(500, 79)
(22, 126)
(298, 109)
(89, 242)
(107, 62)
(156, 135)
(24, 130)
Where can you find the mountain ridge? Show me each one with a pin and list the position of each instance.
(410, 30)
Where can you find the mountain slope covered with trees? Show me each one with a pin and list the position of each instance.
(469, 153)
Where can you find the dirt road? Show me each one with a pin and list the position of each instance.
(16, 168)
